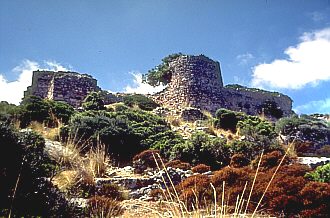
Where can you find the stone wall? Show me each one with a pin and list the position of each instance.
(197, 82)
(70, 87)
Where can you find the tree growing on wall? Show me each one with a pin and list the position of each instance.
(161, 74)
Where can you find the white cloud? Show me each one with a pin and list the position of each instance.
(244, 58)
(307, 64)
(322, 106)
(13, 91)
(140, 87)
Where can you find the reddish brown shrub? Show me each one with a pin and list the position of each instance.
(178, 164)
(195, 191)
(295, 170)
(316, 199)
(290, 205)
(201, 168)
(103, 207)
(110, 191)
(239, 160)
(324, 151)
(270, 160)
(302, 147)
(231, 176)
(145, 160)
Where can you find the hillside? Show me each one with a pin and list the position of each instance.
(198, 148)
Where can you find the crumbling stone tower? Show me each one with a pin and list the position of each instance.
(70, 87)
(197, 82)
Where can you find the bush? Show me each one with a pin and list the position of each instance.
(143, 102)
(320, 174)
(270, 160)
(305, 129)
(195, 191)
(227, 119)
(178, 164)
(239, 160)
(202, 149)
(93, 101)
(125, 133)
(24, 159)
(8, 112)
(146, 159)
(34, 108)
(104, 207)
(201, 168)
(316, 198)
(110, 191)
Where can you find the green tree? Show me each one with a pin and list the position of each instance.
(161, 74)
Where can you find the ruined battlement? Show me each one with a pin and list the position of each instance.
(70, 87)
(197, 82)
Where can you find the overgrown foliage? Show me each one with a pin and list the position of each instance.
(8, 111)
(125, 132)
(320, 174)
(161, 74)
(213, 152)
(93, 101)
(23, 163)
(50, 112)
(143, 102)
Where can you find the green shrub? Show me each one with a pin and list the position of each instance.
(213, 152)
(24, 159)
(320, 174)
(8, 111)
(143, 102)
(227, 119)
(50, 112)
(93, 101)
(125, 133)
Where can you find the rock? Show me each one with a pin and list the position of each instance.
(313, 162)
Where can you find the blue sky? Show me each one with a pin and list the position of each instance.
(276, 45)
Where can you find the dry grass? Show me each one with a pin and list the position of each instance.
(97, 160)
(46, 132)
(175, 207)
(66, 179)
(80, 169)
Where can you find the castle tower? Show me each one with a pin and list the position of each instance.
(196, 82)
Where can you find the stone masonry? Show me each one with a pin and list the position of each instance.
(197, 82)
(70, 87)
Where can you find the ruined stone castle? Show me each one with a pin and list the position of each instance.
(70, 87)
(196, 82)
